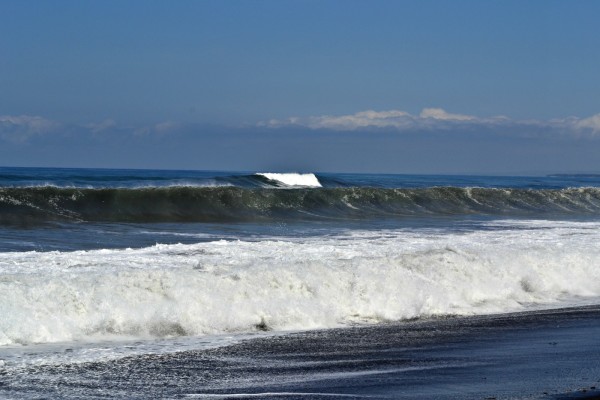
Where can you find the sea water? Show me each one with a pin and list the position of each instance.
(101, 264)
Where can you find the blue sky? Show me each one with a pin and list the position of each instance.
(376, 86)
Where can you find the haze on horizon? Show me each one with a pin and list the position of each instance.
(463, 87)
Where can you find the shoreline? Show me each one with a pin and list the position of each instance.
(545, 354)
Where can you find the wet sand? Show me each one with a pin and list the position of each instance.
(535, 355)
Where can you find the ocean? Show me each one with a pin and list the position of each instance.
(104, 268)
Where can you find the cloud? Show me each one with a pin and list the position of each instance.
(428, 118)
(19, 129)
(591, 123)
(438, 113)
(161, 128)
(438, 119)
(363, 119)
(23, 129)
(99, 127)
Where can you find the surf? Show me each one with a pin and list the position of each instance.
(282, 284)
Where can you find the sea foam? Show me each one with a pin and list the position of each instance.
(282, 284)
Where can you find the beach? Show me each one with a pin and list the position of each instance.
(551, 354)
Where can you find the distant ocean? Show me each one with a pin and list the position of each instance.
(116, 263)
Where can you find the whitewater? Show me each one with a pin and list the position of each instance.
(290, 284)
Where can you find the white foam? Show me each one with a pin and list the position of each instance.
(235, 286)
(293, 179)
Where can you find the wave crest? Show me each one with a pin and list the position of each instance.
(292, 179)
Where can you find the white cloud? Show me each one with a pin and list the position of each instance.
(362, 119)
(592, 123)
(99, 127)
(23, 128)
(19, 129)
(402, 120)
(438, 119)
(167, 127)
(438, 113)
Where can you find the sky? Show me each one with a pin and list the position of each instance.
(442, 87)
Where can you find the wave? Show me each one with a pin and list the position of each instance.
(223, 204)
(236, 286)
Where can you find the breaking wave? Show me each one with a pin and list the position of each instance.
(236, 286)
(304, 180)
(216, 204)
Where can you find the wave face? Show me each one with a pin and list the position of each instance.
(223, 204)
(236, 286)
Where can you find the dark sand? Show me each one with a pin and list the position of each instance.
(536, 355)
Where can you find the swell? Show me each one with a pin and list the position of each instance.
(222, 204)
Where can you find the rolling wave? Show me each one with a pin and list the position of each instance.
(236, 286)
(216, 204)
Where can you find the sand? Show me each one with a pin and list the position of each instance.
(553, 354)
